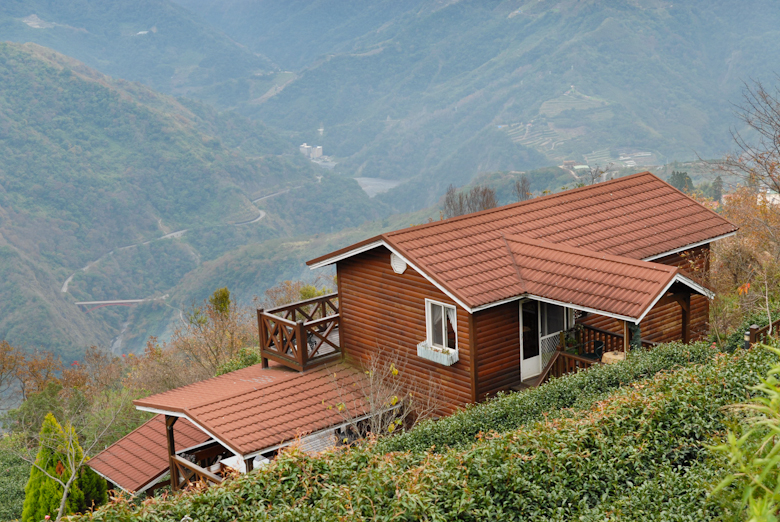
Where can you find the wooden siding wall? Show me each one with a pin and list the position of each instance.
(664, 323)
(498, 348)
(380, 308)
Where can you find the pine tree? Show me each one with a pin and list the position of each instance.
(58, 453)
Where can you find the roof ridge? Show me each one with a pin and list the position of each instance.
(519, 238)
(546, 197)
(514, 263)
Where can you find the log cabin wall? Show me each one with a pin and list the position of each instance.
(497, 348)
(380, 308)
(664, 323)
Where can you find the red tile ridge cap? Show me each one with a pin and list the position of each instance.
(514, 264)
(518, 238)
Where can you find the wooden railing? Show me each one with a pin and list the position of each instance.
(612, 341)
(190, 473)
(759, 335)
(563, 363)
(302, 334)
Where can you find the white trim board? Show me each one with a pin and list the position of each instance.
(470, 310)
(383, 243)
(184, 416)
(686, 247)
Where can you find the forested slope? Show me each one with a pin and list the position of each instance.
(96, 172)
(152, 41)
(437, 92)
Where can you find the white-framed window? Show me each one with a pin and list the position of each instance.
(442, 325)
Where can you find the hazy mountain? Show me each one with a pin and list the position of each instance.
(436, 91)
(152, 41)
(121, 192)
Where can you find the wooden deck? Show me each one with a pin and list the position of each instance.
(313, 323)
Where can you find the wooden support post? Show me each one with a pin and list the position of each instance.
(261, 337)
(248, 464)
(753, 334)
(625, 336)
(169, 422)
(685, 304)
(303, 345)
(473, 358)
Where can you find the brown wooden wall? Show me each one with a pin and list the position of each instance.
(380, 308)
(664, 323)
(497, 348)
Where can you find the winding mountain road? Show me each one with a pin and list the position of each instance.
(174, 235)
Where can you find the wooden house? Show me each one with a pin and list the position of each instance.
(481, 301)
(491, 301)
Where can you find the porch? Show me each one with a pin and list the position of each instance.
(301, 335)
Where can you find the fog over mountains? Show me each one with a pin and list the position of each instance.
(159, 125)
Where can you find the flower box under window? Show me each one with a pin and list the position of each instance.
(439, 355)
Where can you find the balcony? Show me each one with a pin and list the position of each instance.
(301, 335)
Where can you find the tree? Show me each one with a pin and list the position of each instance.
(59, 482)
(460, 203)
(716, 190)
(388, 395)
(757, 158)
(681, 181)
(213, 333)
(10, 362)
(522, 188)
(598, 173)
(288, 292)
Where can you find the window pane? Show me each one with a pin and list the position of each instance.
(554, 318)
(451, 322)
(437, 324)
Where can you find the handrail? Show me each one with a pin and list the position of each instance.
(547, 369)
(305, 302)
(760, 334)
(317, 322)
(201, 473)
(645, 342)
(562, 363)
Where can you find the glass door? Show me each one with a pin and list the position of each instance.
(530, 361)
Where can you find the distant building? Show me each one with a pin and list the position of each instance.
(306, 150)
(569, 163)
(316, 152)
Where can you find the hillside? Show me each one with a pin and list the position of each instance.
(109, 190)
(631, 441)
(151, 41)
(436, 92)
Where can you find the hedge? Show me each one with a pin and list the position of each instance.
(579, 390)
(640, 453)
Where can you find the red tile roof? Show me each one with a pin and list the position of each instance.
(634, 217)
(600, 282)
(141, 457)
(255, 409)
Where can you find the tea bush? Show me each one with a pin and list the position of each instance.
(640, 453)
(579, 390)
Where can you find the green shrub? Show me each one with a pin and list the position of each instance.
(736, 339)
(579, 390)
(13, 476)
(247, 356)
(639, 454)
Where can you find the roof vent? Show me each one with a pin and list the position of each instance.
(398, 264)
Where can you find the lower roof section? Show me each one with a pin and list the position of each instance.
(139, 459)
(254, 409)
